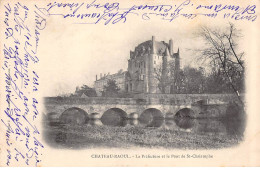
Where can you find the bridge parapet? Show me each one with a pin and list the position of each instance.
(225, 97)
(147, 99)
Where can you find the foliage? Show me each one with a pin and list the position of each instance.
(111, 89)
(88, 91)
(192, 80)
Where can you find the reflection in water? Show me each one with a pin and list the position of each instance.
(95, 122)
(234, 127)
(151, 118)
(61, 137)
(114, 117)
(229, 127)
(133, 122)
(155, 123)
(215, 126)
(184, 123)
(114, 120)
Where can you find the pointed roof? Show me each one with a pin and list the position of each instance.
(155, 46)
(166, 53)
(84, 95)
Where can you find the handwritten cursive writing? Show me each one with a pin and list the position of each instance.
(21, 83)
(97, 12)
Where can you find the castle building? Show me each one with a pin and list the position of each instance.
(148, 70)
(148, 67)
(119, 78)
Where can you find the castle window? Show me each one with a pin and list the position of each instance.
(154, 69)
(144, 64)
(154, 62)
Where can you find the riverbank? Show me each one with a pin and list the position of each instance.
(93, 136)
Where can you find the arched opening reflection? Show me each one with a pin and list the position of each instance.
(151, 118)
(74, 115)
(94, 116)
(52, 119)
(185, 123)
(114, 117)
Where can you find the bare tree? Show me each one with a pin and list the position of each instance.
(221, 52)
(164, 74)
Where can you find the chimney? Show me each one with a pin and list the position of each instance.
(131, 54)
(96, 77)
(153, 45)
(171, 46)
(153, 38)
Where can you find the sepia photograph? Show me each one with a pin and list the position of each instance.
(158, 100)
(129, 83)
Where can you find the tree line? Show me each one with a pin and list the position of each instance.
(225, 72)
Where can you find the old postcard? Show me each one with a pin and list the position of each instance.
(129, 83)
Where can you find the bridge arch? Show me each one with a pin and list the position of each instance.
(185, 112)
(114, 117)
(74, 115)
(151, 117)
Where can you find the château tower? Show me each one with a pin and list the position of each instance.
(149, 58)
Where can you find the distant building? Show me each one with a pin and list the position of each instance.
(144, 60)
(84, 95)
(119, 78)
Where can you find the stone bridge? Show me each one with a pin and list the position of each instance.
(183, 105)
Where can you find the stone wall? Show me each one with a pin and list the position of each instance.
(147, 99)
(221, 97)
